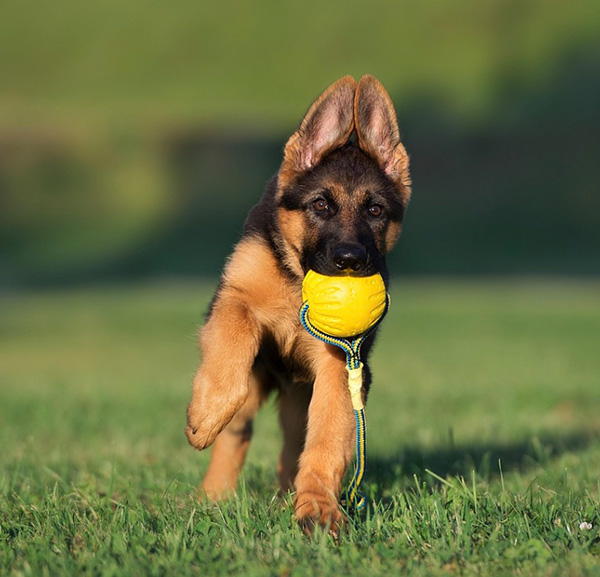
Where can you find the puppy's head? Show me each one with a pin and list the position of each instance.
(344, 182)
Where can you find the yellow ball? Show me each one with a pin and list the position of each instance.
(343, 306)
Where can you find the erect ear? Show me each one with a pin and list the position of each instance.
(377, 131)
(326, 126)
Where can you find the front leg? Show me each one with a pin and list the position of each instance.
(329, 445)
(229, 343)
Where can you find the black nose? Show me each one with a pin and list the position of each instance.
(350, 256)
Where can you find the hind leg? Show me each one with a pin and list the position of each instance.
(293, 413)
(231, 445)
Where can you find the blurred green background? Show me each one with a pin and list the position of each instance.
(134, 137)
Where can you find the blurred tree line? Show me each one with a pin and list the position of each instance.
(505, 171)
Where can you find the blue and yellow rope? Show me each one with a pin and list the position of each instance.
(355, 499)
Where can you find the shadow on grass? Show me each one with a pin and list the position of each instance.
(487, 460)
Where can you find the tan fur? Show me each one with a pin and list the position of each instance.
(316, 138)
(229, 342)
(258, 303)
(294, 233)
(378, 134)
(231, 446)
(391, 235)
(329, 443)
(256, 297)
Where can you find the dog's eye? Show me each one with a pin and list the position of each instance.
(320, 205)
(375, 210)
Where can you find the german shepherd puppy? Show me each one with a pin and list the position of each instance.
(335, 206)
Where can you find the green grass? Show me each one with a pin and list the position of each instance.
(484, 445)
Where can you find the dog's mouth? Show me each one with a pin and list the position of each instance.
(324, 264)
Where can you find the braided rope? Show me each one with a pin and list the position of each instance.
(357, 499)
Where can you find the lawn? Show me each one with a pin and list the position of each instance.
(483, 456)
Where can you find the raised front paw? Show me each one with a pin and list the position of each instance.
(314, 510)
(210, 412)
(203, 427)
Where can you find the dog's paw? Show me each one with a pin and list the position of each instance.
(197, 440)
(313, 511)
(202, 430)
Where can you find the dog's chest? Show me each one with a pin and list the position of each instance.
(287, 356)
